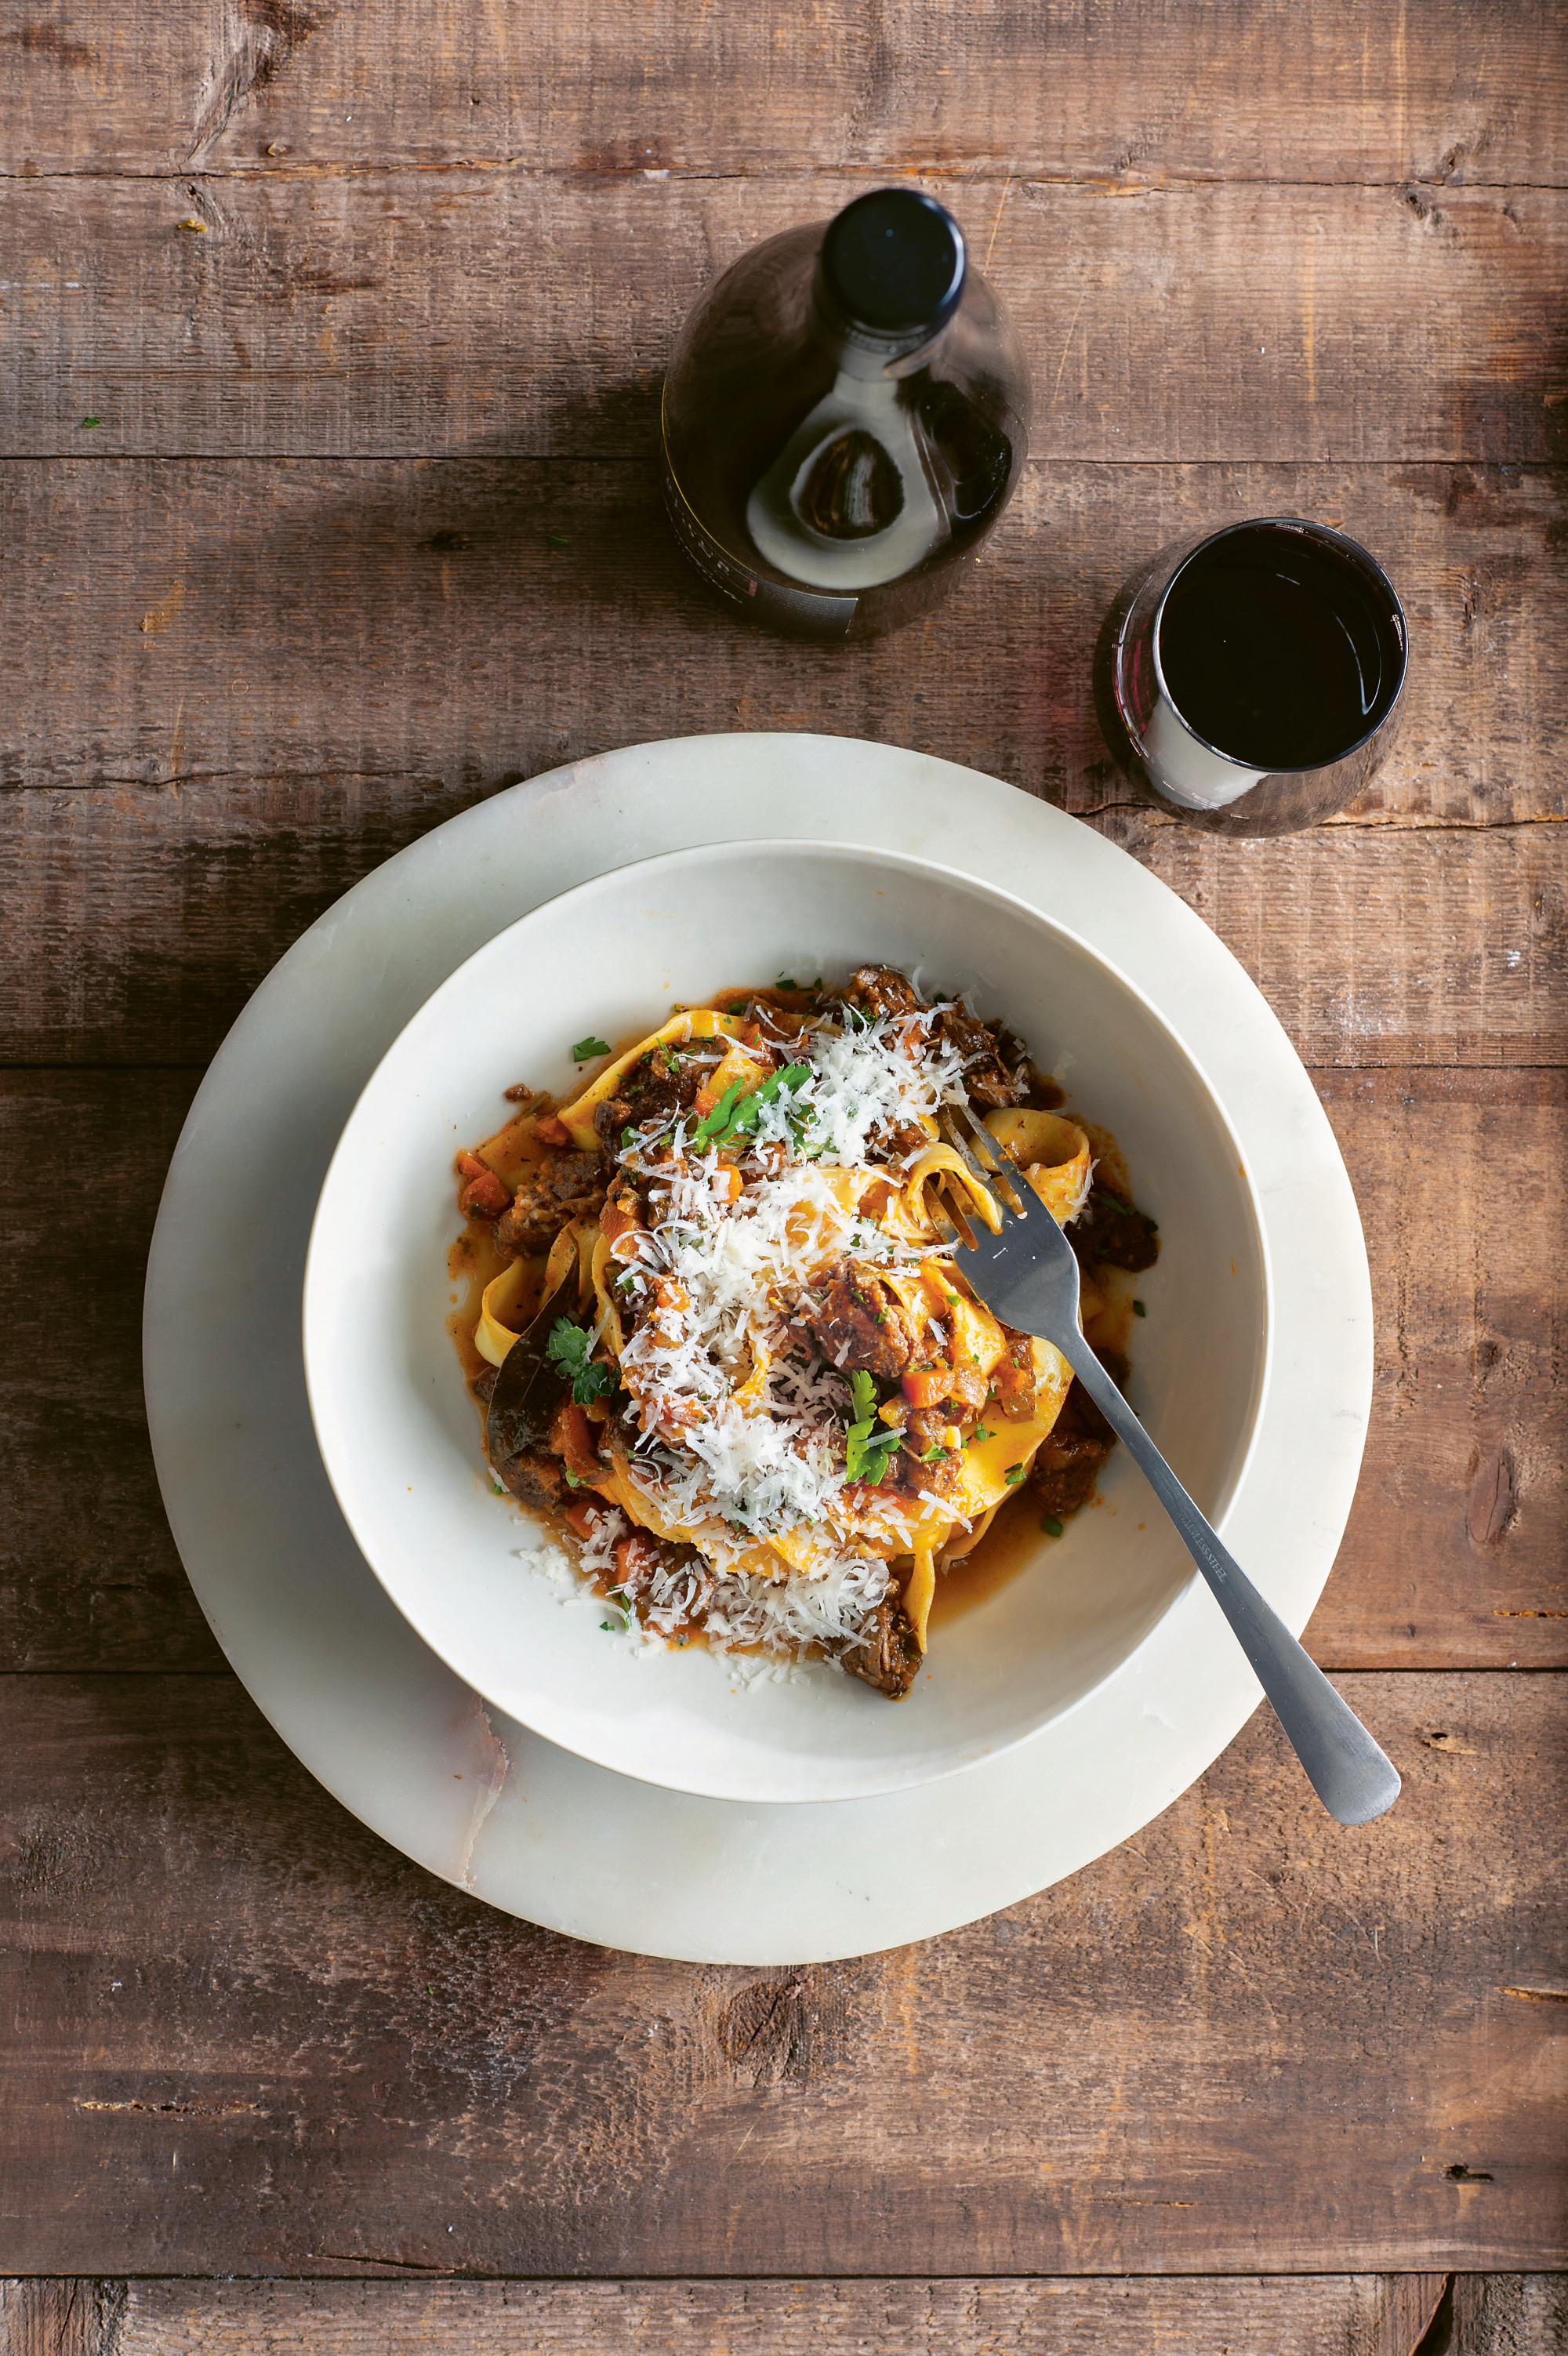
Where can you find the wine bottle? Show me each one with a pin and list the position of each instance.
(845, 416)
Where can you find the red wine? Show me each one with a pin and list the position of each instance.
(1274, 651)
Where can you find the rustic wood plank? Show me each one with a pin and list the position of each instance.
(1453, 1555)
(60, 2318)
(1126, 90)
(391, 314)
(89, 1575)
(1318, 2314)
(143, 919)
(252, 2040)
(402, 625)
(1455, 1548)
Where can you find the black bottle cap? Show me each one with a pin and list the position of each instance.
(894, 263)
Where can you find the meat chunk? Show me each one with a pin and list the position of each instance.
(988, 1080)
(534, 1478)
(859, 1324)
(1014, 1380)
(660, 1085)
(565, 1186)
(876, 989)
(1114, 1233)
(1078, 1444)
(888, 1655)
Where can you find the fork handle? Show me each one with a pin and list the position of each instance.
(1353, 1778)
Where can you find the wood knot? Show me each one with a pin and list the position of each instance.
(784, 2031)
(1492, 1507)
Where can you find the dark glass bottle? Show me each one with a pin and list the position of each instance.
(845, 416)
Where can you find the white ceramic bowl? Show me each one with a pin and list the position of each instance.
(400, 1435)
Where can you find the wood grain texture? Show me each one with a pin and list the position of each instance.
(1247, 2033)
(1452, 1557)
(383, 314)
(1117, 92)
(89, 1575)
(145, 918)
(1455, 1548)
(61, 2318)
(1322, 2315)
(224, 624)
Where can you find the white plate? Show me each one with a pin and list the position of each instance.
(400, 1436)
(372, 1711)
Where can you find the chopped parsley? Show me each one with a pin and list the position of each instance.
(1139, 1309)
(1016, 1472)
(712, 1124)
(586, 1049)
(618, 1598)
(569, 1345)
(1051, 1527)
(868, 1459)
(557, 539)
(89, 423)
(736, 1114)
(786, 981)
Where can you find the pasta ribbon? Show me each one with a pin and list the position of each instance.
(1052, 1151)
(570, 1262)
(600, 1267)
(939, 1162)
(920, 1590)
(697, 1022)
(500, 1300)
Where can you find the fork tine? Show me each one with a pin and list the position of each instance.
(999, 1182)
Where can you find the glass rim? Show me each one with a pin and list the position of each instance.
(1341, 544)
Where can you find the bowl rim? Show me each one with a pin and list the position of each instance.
(870, 1783)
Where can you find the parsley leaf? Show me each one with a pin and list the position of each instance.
(569, 1345)
(866, 1458)
(1139, 1309)
(786, 981)
(1051, 1527)
(712, 1123)
(1016, 1472)
(586, 1049)
(735, 1115)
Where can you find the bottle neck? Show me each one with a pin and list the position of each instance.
(863, 353)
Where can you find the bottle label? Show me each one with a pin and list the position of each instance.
(802, 612)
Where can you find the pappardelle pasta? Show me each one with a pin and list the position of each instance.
(755, 1389)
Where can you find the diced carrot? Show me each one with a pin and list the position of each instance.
(926, 1385)
(482, 1194)
(726, 1182)
(634, 1556)
(571, 1439)
(581, 1518)
(552, 1132)
(620, 1217)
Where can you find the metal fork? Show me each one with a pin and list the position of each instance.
(1027, 1276)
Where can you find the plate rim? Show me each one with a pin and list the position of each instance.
(764, 1898)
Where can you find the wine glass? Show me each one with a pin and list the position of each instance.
(1251, 680)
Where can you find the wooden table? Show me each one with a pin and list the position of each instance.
(334, 339)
